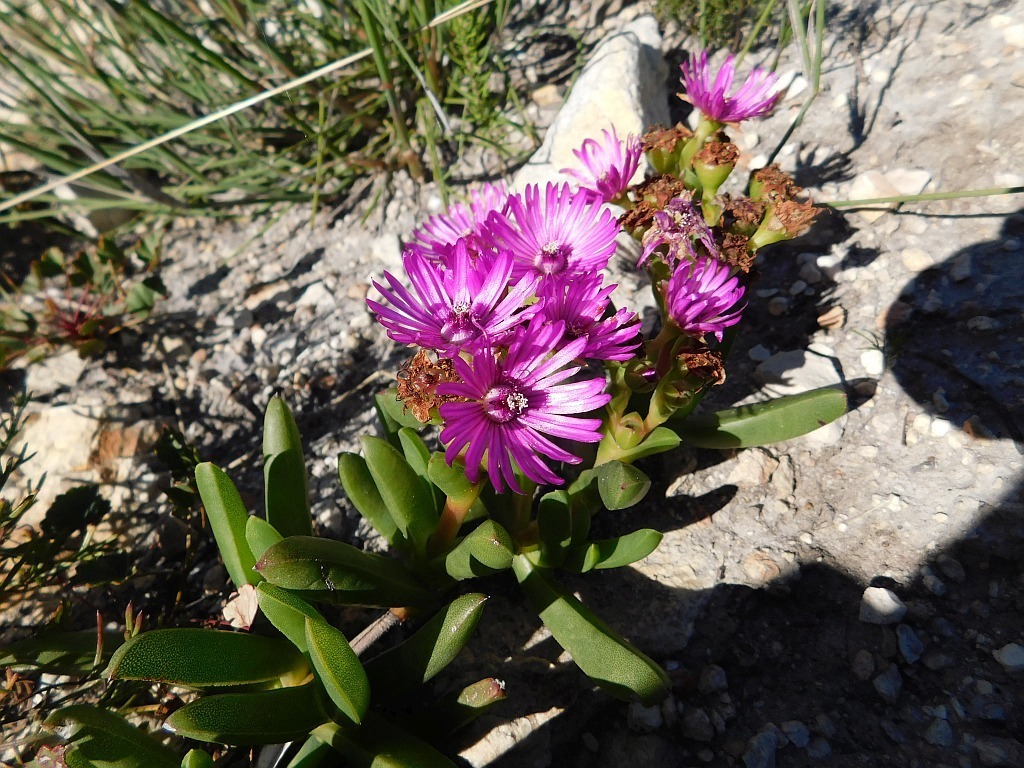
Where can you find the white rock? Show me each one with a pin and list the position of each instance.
(879, 605)
(873, 362)
(916, 259)
(317, 296)
(872, 184)
(53, 373)
(643, 719)
(621, 86)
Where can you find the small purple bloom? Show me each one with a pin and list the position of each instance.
(679, 225)
(458, 309)
(754, 98)
(608, 164)
(580, 303)
(440, 232)
(514, 406)
(701, 297)
(558, 232)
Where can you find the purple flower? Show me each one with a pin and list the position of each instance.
(754, 98)
(701, 297)
(454, 310)
(609, 164)
(559, 232)
(514, 406)
(678, 225)
(439, 234)
(579, 304)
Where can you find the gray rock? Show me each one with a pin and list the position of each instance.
(643, 719)
(54, 373)
(712, 680)
(621, 86)
(893, 731)
(697, 724)
(889, 684)
(911, 646)
(939, 733)
(879, 605)
(796, 732)
(1011, 656)
(863, 665)
(824, 725)
(999, 752)
(952, 569)
(760, 751)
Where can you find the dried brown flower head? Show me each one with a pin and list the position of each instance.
(417, 383)
(773, 184)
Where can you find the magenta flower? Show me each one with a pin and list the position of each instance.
(701, 297)
(441, 231)
(754, 98)
(580, 305)
(512, 408)
(459, 309)
(559, 232)
(680, 225)
(608, 164)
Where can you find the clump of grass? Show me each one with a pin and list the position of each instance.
(719, 23)
(89, 80)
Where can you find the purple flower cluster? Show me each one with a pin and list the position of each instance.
(509, 289)
(756, 96)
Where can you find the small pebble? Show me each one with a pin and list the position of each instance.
(590, 742)
(893, 731)
(760, 752)
(873, 362)
(879, 605)
(697, 725)
(863, 664)
(823, 724)
(889, 684)
(643, 719)
(1011, 656)
(910, 644)
(819, 749)
(797, 287)
(999, 752)
(939, 733)
(797, 732)
(778, 306)
(934, 584)
(759, 354)
(712, 680)
(952, 569)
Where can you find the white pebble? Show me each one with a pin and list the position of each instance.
(873, 362)
(879, 605)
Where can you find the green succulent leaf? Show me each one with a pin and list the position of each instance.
(614, 553)
(204, 658)
(338, 669)
(197, 758)
(452, 480)
(449, 713)
(621, 485)
(341, 573)
(287, 612)
(379, 743)
(394, 415)
(409, 499)
(597, 649)
(486, 550)
(418, 456)
(103, 739)
(312, 754)
(763, 423)
(260, 535)
(362, 491)
(400, 670)
(554, 525)
(228, 518)
(260, 717)
(284, 472)
(661, 440)
(60, 653)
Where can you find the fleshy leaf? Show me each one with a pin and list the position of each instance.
(660, 440)
(60, 653)
(228, 517)
(621, 485)
(400, 670)
(284, 472)
(407, 496)
(260, 535)
(312, 754)
(287, 612)
(204, 658)
(197, 758)
(763, 423)
(362, 491)
(597, 649)
(449, 713)
(105, 740)
(260, 717)
(554, 524)
(393, 415)
(338, 669)
(486, 550)
(379, 743)
(341, 572)
(614, 553)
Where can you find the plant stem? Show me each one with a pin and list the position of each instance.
(956, 195)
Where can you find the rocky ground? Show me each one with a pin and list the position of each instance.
(854, 597)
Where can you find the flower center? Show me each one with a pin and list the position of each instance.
(458, 327)
(553, 258)
(504, 403)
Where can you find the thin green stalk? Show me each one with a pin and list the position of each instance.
(758, 25)
(990, 192)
